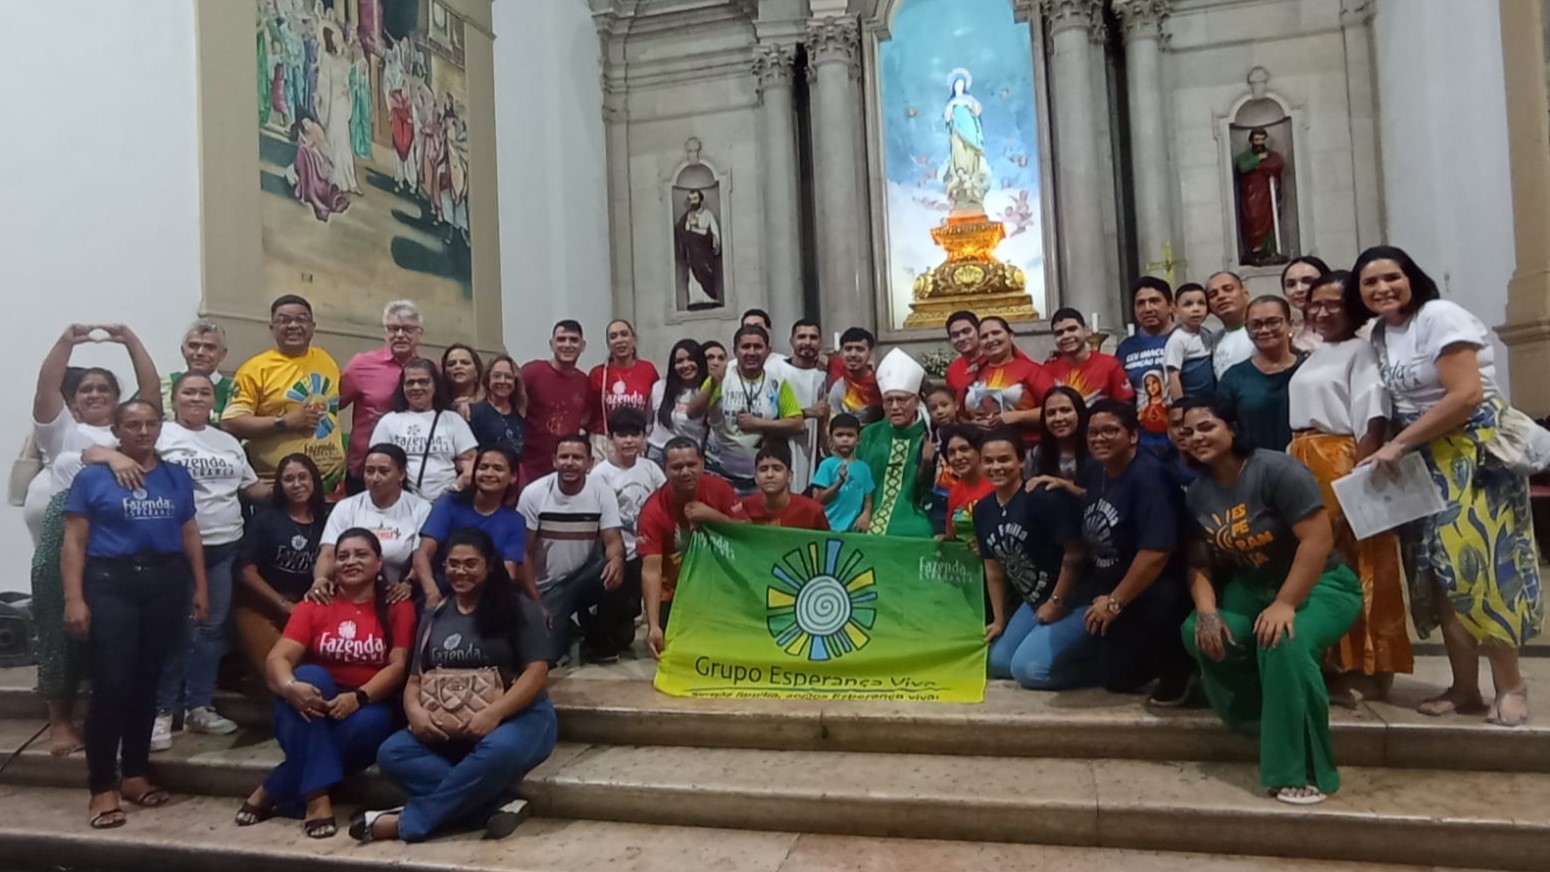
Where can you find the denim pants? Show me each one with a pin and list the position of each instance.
(138, 606)
(1143, 643)
(189, 677)
(319, 753)
(569, 596)
(455, 785)
(1057, 656)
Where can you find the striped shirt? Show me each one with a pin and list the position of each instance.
(564, 527)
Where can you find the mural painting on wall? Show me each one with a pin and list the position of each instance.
(698, 243)
(364, 157)
(960, 139)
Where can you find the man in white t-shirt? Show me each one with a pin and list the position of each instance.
(750, 405)
(804, 373)
(573, 538)
(1229, 302)
(633, 480)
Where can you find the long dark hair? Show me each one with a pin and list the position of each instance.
(379, 603)
(467, 495)
(1048, 462)
(1422, 289)
(675, 385)
(1224, 410)
(278, 499)
(478, 381)
(395, 454)
(497, 615)
(441, 395)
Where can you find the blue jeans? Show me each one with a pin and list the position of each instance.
(319, 753)
(1057, 656)
(566, 597)
(196, 657)
(457, 785)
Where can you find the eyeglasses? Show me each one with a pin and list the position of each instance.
(1270, 324)
(402, 329)
(1106, 432)
(1325, 305)
(292, 320)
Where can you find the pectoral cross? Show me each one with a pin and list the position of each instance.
(1167, 264)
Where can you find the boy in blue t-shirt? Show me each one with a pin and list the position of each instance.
(843, 485)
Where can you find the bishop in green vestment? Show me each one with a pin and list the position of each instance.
(891, 449)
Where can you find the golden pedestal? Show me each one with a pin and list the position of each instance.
(971, 278)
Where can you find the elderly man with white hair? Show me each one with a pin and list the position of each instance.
(891, 449)
(203, 348)
(370, 381)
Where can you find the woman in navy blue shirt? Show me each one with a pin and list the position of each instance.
(131, 560)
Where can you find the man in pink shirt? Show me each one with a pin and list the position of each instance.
(560, 401)
(370, 381)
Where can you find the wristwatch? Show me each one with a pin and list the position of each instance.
(1057, 599)
(1115, 606)
(362, 697)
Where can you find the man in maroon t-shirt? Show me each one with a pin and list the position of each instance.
(559, 400)
(691, 496)
(624, 381)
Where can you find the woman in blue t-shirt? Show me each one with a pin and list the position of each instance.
(483, 506)
(459, 774)
(131, 559)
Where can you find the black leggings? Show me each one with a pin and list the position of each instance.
(139, 610)
(1143, 642)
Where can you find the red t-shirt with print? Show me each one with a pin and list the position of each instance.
(622, 387)
(663, 530)
(559, 402)
(1098, 377)
(346, 639)
(801, 513)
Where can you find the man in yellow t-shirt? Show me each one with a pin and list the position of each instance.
(286, 400)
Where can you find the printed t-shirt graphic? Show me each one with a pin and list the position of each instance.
(272, 384)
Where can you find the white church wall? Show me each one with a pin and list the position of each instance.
(104, 227)
(1213, 47)
(1446, 180)
(553, 178)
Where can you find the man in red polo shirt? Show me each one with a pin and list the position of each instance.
(690, 497)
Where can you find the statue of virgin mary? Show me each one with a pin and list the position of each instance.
(967, 173)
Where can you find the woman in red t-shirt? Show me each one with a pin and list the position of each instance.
(335, 674)
(963, 457)
(624, 381)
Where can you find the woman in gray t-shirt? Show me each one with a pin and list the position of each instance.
(461, 780)
(1270, 599)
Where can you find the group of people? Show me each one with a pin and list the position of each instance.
(1158, 518)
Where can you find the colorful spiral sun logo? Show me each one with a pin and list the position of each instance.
(822, 604)
(313, 390)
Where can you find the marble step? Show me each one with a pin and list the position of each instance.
(42, 828)
(617, 705)
(1490, 820)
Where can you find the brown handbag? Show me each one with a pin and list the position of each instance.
(453, 696)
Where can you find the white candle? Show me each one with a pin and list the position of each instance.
(1095, 322)
(836, 340)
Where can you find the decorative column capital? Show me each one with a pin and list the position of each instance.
(834, 40)
(1143, 18)
(1355, 13)
(774, 65)
(1070, 14)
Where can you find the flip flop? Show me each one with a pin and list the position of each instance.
(156, 797)
(111, 819)
(320, 828)
(249, 814)
(1444, 704)
(363, 822)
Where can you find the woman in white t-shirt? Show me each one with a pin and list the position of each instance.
(221, 473)
(1339, 416)
(72, 409)
(435, 438)
(1476, 567)
(387, 509)
(670, 399)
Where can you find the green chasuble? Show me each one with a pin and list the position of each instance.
(894, 458)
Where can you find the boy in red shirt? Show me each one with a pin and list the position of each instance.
(1093, 374)
(775, 505)
(691, 497)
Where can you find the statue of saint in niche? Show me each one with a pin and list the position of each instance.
(697, 238)
(1261, 198)
(967, 173)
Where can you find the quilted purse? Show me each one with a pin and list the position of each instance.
(453, 696)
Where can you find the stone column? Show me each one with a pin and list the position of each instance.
(1079, 183)
(1148, 141)
(1527, 331)
(773, 65)
(834, 51)
(1361, 81)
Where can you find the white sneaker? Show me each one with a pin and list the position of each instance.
(161, 733)
(207, 720)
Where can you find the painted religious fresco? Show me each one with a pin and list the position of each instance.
(364, 157)
(960, 136)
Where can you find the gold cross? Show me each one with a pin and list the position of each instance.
(1167, 264)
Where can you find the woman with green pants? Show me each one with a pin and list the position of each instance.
(1278, 600)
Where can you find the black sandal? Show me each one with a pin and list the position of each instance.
(156, 797)
(250, 815)
(321, 828)
(105, 820)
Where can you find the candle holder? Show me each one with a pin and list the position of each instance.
(1097, 338)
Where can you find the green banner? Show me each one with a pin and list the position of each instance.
(766, 612)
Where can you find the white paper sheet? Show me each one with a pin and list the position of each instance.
(1374, 501)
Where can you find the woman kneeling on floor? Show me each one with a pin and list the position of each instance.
(334, 674)
(1260, 636)
(479, 715)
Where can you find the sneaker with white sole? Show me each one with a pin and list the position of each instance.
(161, 733)
(206, 719)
